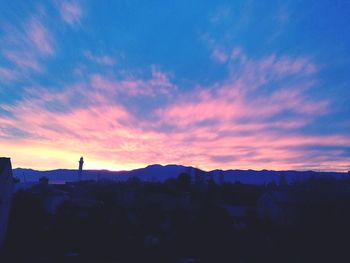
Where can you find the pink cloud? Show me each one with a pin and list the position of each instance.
(7, 74)
(298, 65)
(229, 103)
(220, 126)
(24, 60)
(237, 54)
(39, 36)
(158, 84)
(111, 133)
(257, 72)
(219, 56)
(102, 60)
(71, 12)
(26, 45)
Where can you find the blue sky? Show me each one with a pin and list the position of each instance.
(224, 84)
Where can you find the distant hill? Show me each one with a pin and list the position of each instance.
(161, 173)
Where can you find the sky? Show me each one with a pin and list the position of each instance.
(211, 84)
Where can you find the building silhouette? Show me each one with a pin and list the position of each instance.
(7, 183)
(80, 172)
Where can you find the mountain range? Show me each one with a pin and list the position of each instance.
(161, 173)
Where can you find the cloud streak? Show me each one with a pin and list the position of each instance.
(25, 47)
(39, 36)
(102, 60)
(71, 12)
(235, 123)
(7, 75)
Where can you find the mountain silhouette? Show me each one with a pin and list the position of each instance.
(157, 172)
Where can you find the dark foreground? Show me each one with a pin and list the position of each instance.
(180, 221)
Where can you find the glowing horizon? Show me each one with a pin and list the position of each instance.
(210, 85)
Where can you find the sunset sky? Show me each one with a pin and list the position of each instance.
(212, 84)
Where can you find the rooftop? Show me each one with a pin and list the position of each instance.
(4, 161)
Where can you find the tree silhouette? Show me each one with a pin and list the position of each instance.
(183, 182)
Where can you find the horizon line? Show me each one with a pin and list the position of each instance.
(189, 166)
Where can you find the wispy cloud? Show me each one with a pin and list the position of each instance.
(217, 126)
(39, 36)
(26, 45)
(23, 59)
(244, 98)
(7, 75)
(158, 84)
(219, 55)
(102, 60)
(71, 12)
